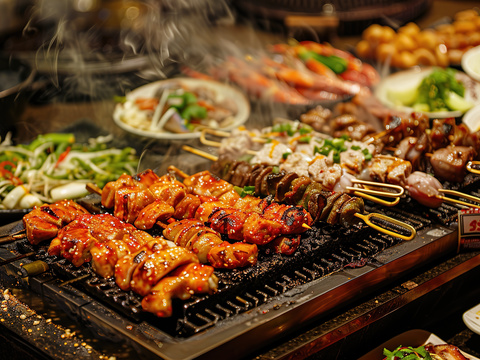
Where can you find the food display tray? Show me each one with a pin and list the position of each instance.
(258, 325)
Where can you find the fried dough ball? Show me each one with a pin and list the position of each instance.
(464, 26)
(386, 52)
(405, 42)
(425, 57)
(469, 14)
(364, 50)
(411, 29)
(428, 39)
(373, 33)
(405, 59)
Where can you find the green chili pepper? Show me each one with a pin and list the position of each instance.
(55, 138)
(337, 64)
(194, 112)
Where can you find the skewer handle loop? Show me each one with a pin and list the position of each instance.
(366, 219)
(461, 195)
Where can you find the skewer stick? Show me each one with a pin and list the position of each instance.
(207, 142)
(461, 195)
(177, 171)
(93, 189)
(225, 134)
(18, 257)
(200, 153)
(454, 192)
(12, 237)
(376, 136)
(470, 167)
(74, 280)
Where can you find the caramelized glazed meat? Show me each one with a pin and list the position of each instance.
(450, 163)
(44, 222)
(158, 264)
(207, 244)
(75, 240)
(389, 169)
(180, 283)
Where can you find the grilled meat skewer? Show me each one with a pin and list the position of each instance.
(44, 222)
(201, 194)
(152, 260)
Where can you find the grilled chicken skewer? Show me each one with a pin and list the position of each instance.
(197, 197)
(166, 198)
(138, 261)
(44, 222)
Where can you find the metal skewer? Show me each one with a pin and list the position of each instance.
(71, 281)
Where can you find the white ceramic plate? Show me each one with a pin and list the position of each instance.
(471, 62)
(409, 79)
(223, 92)
(412, 338)
(471, 318)
(472, 118)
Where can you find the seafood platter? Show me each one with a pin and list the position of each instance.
(287, 224)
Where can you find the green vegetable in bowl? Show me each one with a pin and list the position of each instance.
(439, 91)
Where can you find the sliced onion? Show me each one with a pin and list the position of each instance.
(69, 191)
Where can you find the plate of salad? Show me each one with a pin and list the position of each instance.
(180, 108)
(55, 166)
(437, 92)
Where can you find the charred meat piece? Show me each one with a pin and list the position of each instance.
(75, 240)
(130, 201)
(399, 127)
(44, 222)
(207, 244)
(351, 126)
(445, 132)
(105, 255)
(446, 351)
(414, 149)
(389, 169)
(232, 256)
(158, 264)
(450, 163)
(180, 283)
(157, 211)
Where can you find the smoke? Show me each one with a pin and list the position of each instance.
(86, 47)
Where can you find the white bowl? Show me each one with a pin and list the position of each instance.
(472, 118)
(149, 90)
(471, 62)
(411, 78)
